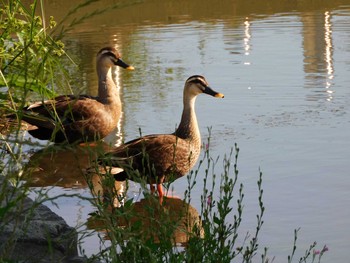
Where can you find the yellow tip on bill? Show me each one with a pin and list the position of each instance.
(219, 95)
(130, 68)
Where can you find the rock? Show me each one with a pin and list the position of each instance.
(31, 232)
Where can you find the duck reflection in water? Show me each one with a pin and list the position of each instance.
(174, 220)
(64, 166)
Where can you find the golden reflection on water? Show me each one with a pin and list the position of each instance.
(318, 51)
(60, 166)
(68, 167)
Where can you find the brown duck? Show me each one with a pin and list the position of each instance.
(163, 157)
(80, 118)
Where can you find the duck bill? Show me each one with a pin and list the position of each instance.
(213, 93)
(122, 64)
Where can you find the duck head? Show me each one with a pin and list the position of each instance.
(109, 56)
(197, 84)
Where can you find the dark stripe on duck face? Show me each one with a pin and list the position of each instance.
(111, 52)
(198, 80)
(112, 55)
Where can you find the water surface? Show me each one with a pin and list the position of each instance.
(284, 69)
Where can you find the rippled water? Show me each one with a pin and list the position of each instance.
(285, 75)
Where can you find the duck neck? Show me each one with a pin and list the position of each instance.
(188, 127)
(108, 92)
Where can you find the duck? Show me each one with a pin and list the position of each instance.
(161, 158)
(83, 118)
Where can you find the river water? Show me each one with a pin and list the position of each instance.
(285, 71)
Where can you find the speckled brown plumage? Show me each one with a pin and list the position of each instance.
(80, 118)
(164, 157)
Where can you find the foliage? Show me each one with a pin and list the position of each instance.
(31, 66)
(29, 55)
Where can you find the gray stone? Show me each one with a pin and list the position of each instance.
(31, 232)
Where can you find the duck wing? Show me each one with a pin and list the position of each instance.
(63, 109)
(153, 156)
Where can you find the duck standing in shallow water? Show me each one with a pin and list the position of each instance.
(80, 118)
(163, 157)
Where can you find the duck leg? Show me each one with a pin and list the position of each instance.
(159, 190)
(160, 193)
